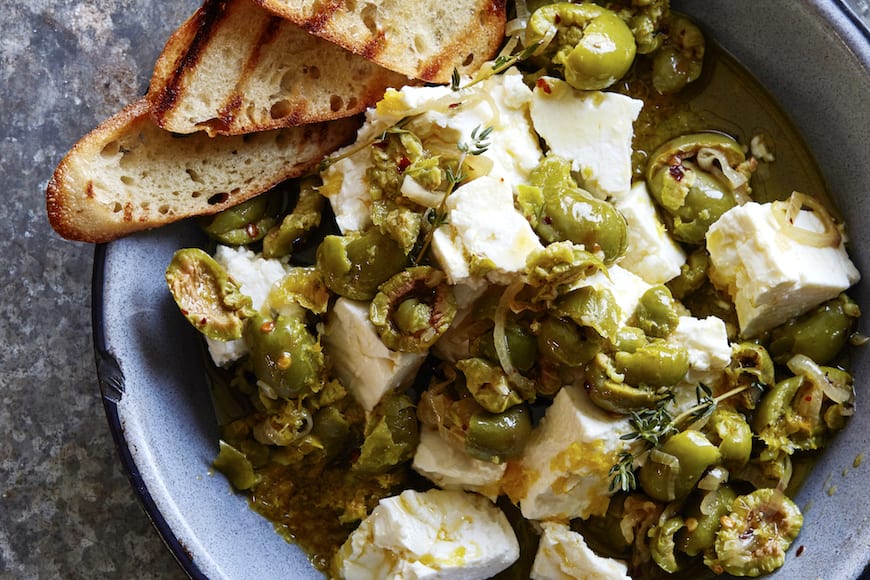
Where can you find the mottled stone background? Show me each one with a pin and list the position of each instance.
(66, 507)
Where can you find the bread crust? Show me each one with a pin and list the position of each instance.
(129, 175)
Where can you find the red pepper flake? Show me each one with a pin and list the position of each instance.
(799, 551)
(252, 230)
(382, 144)
(453, 105)
(808, 398)
(267, 326)
(544, 86)
(404, 163)
(676, 172)
(548, 220)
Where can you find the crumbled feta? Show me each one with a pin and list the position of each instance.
(706, 341)
(360, 359)
(484, 234)
(592, 129)
(770, 276)
(652, 254)
(451, 468)
(433, 534)
(563, 555)
(563, 473)
(255, 276)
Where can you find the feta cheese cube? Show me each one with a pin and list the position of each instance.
(433, 534)
(563, 555)
(563, 473)
(484, 234)
(452, 468)
(770, 276)
(652, 254)
(255, 276)
(592, 129)
(360, 359)
(706, 341)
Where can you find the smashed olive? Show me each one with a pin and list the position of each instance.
(672, 471)
(413, 309)
(287, 358)
(355, 265)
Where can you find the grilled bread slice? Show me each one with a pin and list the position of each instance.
(424, 39)
(129, 175)
(234, 67)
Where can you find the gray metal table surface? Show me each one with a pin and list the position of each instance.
(67, 509)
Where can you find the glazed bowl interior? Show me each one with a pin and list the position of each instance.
(813, 59)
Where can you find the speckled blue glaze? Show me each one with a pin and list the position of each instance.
(812, 57)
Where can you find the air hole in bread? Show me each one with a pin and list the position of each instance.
(194, 176)
(145, 205)
(218, 198)
(368, 15)
(468, 59)
(421, 43)
(111, 149)
(117, 207)
(127, 180)
(336, 103)
(195, 194)
(163, 209)
(352, 104)
(311, 71)
(280, 109)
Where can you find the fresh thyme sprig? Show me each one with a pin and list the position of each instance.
(327, 162)
(499, 65)
(653, 426)
(478, 145)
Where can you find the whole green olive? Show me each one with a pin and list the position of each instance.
(495, 437)
(657, 364)
(729, 431)
(656, 312)
(244, 223)
(285, 355)
(695, 178)
(699, 534)
(522, 345)
(819, 334)
(607, 390)
(355, 265)
(672, 470)
(562, 341)
(592, 46)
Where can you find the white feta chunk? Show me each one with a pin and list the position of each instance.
(434, 534)
(563, 472)
(627, 288)
(255, 276)
(563, 555)
(652, 254)
(360, 359)
(770, 276)
(452, 468)
(484, 234)
(592, 129)
(706, 341)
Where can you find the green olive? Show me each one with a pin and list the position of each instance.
(293, 228)
(355, 265)
(332, 430)
(413, 309)
(206, 295)
(756, 534)
(593, 308)
(391, 435)
(495, 437)
(820, 334)
(557, 268)
(562, 341)
(657, 364)
(244, 223)
(236, 467)
(699, 534)
(488, 384)
(592, 47)
(680, 59)
(687, 179)
(750, 365)
(692, 275)
(688, 454)
(608, 391)
(663, 544)
(656, 312)
(522, 346)
(629, 339)
(286, 357)
(729, 431)
(710, 301)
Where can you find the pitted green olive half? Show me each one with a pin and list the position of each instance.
(305, 217)
(820, 334)
(750, 365)
(301, 288)
(355, 265)
(702, 523)
(391, 435)
(413, 309)
(495, 437)
(556, 268)
(672, 470)
(592, 47)
(591, 307)
(656, 312)
(607, 389)
(244, 223)
(663, 545)
(695, 178)
(680, 60)
(285, 355)
(656, 364)
(206, 295)
(729, 431)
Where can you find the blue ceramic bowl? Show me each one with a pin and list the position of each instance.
(813, 57)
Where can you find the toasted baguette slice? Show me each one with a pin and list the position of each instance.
(424, 39)
(236, 68)
(129, 175)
